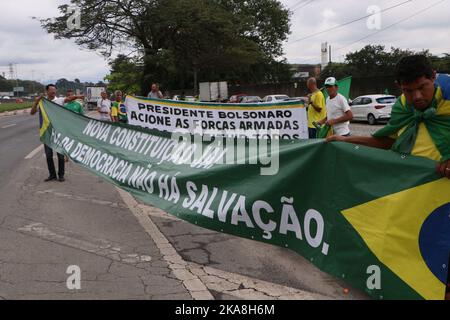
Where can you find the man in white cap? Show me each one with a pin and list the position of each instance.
(339, 113)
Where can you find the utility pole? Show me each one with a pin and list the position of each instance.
(330, 54)
(32, 82)
(11, 71)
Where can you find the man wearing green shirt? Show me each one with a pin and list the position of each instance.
(75, 105)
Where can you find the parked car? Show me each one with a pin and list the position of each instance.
(186, 98)
(237, 98)
(6, 98)
(372, 108)
(189, 98)
(250, 99)
(303, 99)
(275, 98)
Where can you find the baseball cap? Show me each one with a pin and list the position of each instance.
(331, 81)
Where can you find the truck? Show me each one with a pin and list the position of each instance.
(93, 94)
(213, 91)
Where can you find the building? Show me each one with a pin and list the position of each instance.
(305, 71)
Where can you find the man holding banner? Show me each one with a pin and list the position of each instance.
(51, 95)
(316, 110)
(420, 120)
(339, 113)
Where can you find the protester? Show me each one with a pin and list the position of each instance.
(420, 120)
(51, 96)
(317, 109)
(104, 107)
(339, 113)
(155, 93)
(118, 109)
(74, 105)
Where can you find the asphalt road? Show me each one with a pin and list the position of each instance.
(18, 135)
(126, 250)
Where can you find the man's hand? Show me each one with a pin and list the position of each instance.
(331, 122)
(35, 104)
(444, 169)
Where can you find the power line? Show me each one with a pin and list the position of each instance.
(304, 5)
(394, 24)
(347, 23)
(296, 4)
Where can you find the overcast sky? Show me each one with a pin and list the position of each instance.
(37, 55)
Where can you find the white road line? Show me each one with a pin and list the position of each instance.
(9, 126)
(34, 152)
(98, 247)
(199, 279)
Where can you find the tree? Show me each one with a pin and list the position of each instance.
(370, 61)
(186, 39)
(124, 76)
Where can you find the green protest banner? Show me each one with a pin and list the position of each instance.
(374, 218)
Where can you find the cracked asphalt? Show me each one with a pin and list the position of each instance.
(47, 227)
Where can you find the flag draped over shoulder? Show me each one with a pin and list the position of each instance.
(405, 121)
(373, 218)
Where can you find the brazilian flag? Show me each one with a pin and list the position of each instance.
(376, 219)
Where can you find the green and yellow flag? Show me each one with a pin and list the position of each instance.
(344, 87)
(374, 218)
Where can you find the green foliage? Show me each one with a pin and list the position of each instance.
(63, 85)
(182, 42)
(125, 76)
(30, 87)
(14, 106)
(374, 60)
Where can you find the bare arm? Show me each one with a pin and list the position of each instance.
(318, 109)
(348, 116)
(72, 98)
(443, 169)
(35, 105)
(323, 121)
(380, 143)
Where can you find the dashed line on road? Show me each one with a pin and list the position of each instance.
(80, 198)
(34, 152)
(99, 247)
(9, 126)
(199, 279)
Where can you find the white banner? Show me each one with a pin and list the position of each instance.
(287, 120)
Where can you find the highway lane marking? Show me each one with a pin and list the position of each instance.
(34, 152)
(98, 247)
(204, 277)
(81, 198)
(9, 126)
